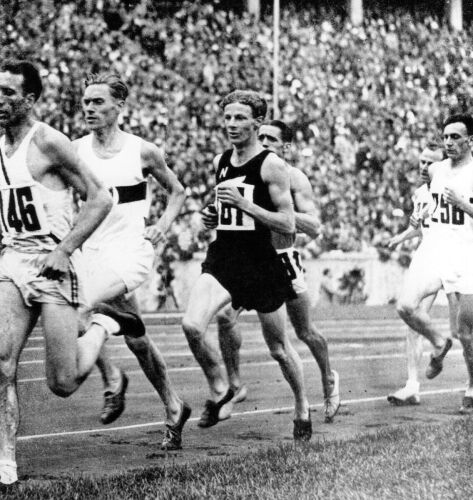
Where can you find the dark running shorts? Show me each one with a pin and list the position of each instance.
(255, 279)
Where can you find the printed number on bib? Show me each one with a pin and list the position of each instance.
(232, 218)
(447, 214)
(289, 263)
(22, 211)
(421, 207)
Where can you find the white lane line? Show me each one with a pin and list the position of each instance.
(180, 354)
(102, 430)
(452, 352)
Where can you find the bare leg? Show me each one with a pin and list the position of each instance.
(230, 340)
(289, 361)
(415, 316)
(69, 360)
(206, 298)
(414, 350)
(414, 345)
(154, 367)
(465, 332)
(108, 290)
(299, 314)
(17, 323)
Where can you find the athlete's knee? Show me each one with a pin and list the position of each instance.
(61, 384)
(405, 309)
(278, 352)
(226, 320)
(137, 345)
(7, 369)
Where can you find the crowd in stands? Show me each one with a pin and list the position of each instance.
(362, 100)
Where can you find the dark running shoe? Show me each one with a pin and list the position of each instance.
(436, 362)
(173, 435)
(209, 416)
(114, 403)
(130, 323)
(302, 429)
(467, 406)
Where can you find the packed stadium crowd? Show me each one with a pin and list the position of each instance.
(362, 100)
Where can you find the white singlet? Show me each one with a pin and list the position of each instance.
(451, 229)
(33, 217)
(117, 248)
(33, 220)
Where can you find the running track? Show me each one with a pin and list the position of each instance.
(64, 436)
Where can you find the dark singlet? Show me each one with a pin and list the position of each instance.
(235, 226)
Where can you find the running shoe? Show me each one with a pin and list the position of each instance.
(332, 401)
(210, 415)
(173, 436)
(436, 362)
(302, 429)
(467, 406)
(8, 474)
(408, 395)
(114, 402)
(226, 410)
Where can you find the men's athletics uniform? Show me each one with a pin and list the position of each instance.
(451, 229)
(242, 258)
(424, 264)
(117, 250)
(33, 220)
(291, 261)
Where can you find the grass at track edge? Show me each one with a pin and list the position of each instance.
(417, 461)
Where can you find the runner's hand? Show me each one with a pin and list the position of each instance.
(231, 196)
(155, 234)
(56, 265)
(210, 217)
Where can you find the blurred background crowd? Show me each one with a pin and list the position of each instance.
(362, 100)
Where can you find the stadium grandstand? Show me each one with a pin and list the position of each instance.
(362, 97)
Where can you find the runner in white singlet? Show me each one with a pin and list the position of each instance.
(422, 277)
(38, 265)
(452, 227)
(119, 255)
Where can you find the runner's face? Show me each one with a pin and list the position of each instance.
(427, 157)
(239, 123)
(456, 140)
(101, 110)
(270, 138)
(14, 105)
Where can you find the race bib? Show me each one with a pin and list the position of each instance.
(231, 218)
(22, 211)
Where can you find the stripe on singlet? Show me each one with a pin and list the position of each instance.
(4, 169)
(128, 194)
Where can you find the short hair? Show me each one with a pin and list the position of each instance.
(287, 135)
(250, 98)
(435, 145)
(464, 118)
(32, 83)
(118, 88)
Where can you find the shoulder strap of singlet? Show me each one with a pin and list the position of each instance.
(224, 160)
(24, 143)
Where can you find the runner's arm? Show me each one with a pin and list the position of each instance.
(97, 201)
(153, 163)
(307, 220)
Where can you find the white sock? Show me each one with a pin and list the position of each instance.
(8, 473)
(106, 322)
(413, 384)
